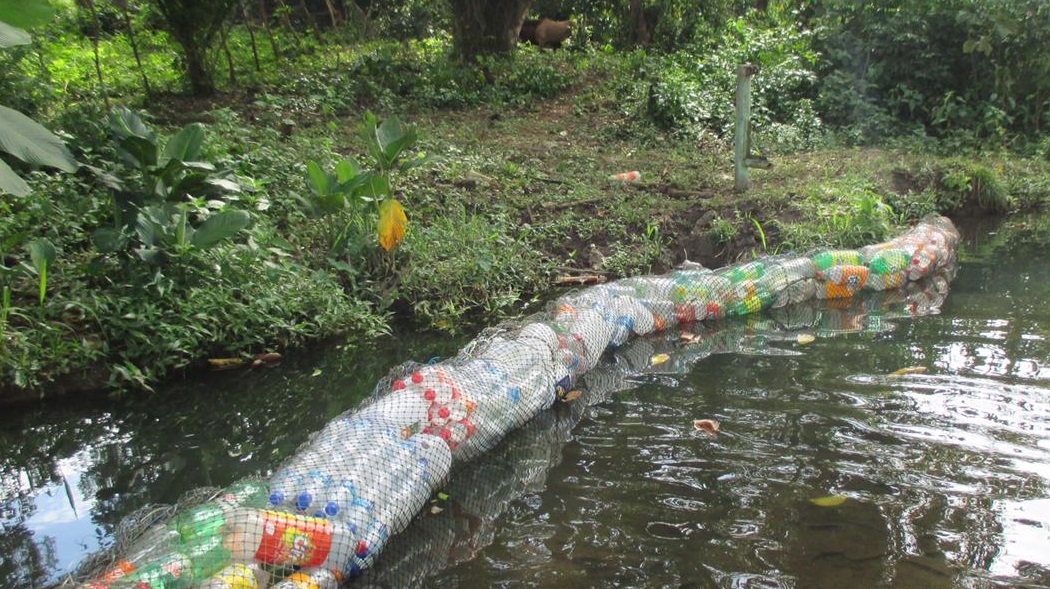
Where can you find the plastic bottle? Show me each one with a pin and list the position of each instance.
(889, 261)
(238, 576)
(311, 579)
(828, 258)
(282, 539)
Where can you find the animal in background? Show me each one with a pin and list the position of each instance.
(545, 32)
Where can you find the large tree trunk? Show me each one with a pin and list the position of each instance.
(481, 27)
(640, 34)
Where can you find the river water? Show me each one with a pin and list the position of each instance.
(827, 470)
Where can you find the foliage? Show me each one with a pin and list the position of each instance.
(194, 24)
(693, 92)
(170, 184)
(966, 71)
(20, 136)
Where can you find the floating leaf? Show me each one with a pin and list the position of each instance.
(443, 495)
(392, 223)
(909, 370)
(659, 359)
(317, 372)
(707, 425)
(805, 338)
(690, 338)
(267, 358)
(434, 509)
(571, 396)
(225, 363)
(829, 501)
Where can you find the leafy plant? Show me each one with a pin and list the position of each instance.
(21, 136)
(155, 206)
(352, 190)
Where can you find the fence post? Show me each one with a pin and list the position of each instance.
(742, 134)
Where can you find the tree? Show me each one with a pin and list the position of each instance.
(482, 27)
(194, 25)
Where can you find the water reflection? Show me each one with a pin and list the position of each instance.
(945, 474)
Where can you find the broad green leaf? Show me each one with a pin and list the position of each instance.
(30, 142)
(126, 123)
(346, 170)
(11, 182)
(26, 13)
(225, 184)
(42, 253)
(319, 180)
(186, 144)
(12, 36)
(392, 224)
(220, 227)
(138, 152)
(378, 188)
(388, 132)
(107, 239)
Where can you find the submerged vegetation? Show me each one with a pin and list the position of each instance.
(279, 210)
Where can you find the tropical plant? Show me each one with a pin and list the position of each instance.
(171, 184)
(352, 190)
(21, 136)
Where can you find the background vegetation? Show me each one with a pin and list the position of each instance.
(218, 189)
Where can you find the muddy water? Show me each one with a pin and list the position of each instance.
(938, 478)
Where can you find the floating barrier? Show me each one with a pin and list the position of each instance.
(329, 510)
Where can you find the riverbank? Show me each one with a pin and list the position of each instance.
(516, 203)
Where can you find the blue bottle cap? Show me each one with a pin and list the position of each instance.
(276, 498)
(331, 509)
(303, 500)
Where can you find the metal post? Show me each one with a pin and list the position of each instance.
(743, 124)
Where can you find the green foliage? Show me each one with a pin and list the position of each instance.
(20, 136)
(466, 264)
(693, 91)
(168, 183)
(973, 73)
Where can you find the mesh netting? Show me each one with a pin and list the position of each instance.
(331, 508)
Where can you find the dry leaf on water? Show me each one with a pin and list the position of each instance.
(805, 338)
(909, 370)
(225, 363)
(709, 426)
(571, 396)
(690, 338)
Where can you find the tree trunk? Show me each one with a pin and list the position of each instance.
(640, 33)
(135, 50)
(481, 27)
(201, 83)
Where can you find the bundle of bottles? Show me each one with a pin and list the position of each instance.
(329, 510)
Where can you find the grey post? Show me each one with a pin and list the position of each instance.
(742, 137)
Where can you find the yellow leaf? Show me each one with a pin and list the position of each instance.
(909, 370)
(572, 396)
(805, 338)
(829, 501)
(392, 224)
(224, 363)
(659, 359)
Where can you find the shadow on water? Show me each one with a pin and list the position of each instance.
(942, 475)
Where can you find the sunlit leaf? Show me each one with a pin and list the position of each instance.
(805, 338)
(219, 227)
(12, 36)
(30, 142)
(909, 370)
(829, 501)
(392, 224)
(186, 144)
(225, 363)
(707, 425)
(11, 182)
(317, 372)
(26, 13)
(659, 359)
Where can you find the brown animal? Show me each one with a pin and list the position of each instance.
(545, 32)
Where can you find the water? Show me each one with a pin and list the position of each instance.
(942, 475)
